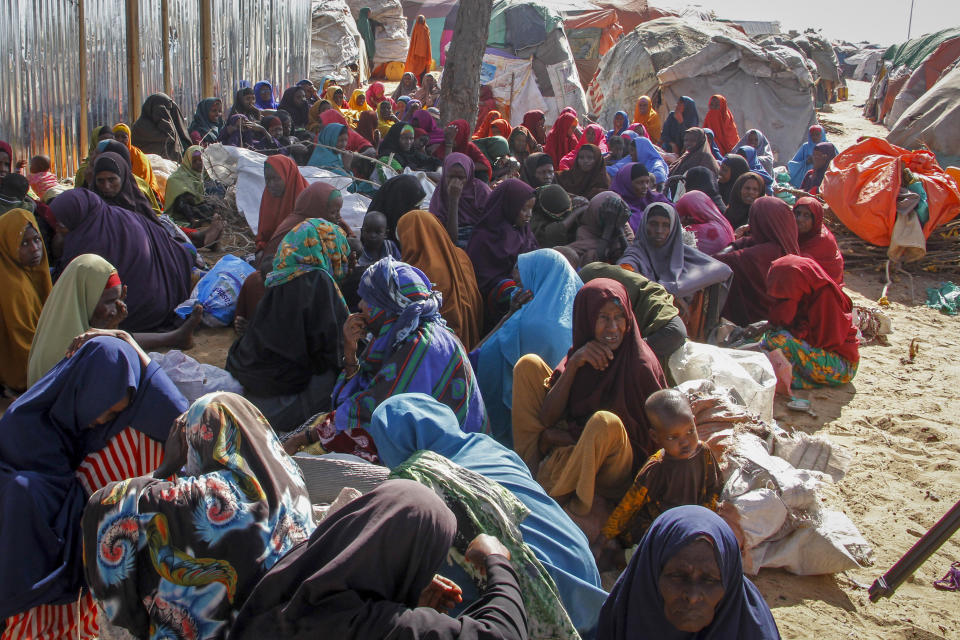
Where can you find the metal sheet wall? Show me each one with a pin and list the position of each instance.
(105, 24)
(185, 63)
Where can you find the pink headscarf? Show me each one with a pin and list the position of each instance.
(600, 137)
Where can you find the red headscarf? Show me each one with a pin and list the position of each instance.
(600, 141)
(272, 209)
(503, 126)
(633, 374)
(724, 128)
(375, 94)
(561, 140)
(819, 243)
(810, 305)
(462, 144)
(534, 122)
(483, 129)
(367, 125)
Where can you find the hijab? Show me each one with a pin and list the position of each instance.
(427, 246)
(473, 198)
(721, 122)
(130, 197)
(529, 171)
(814, 178)
(600, 235)
(738, 211)
(202, 124)
(313, 202)
(462, 144)
(712, 230)
(738, 166)
(622, 185)
(496, 241)
(801, 162)
(272, 209)
(185, 179)
(653, 305)
(705, 180)
(397, 196)
(423, 120)
(139, 163)
(253, 113)
(367, 124)
(626, 123)
(700, 156)
(634, 610)
(587, 184)
(600, 138)
(375, 94)
(750, 154)
(328, 158)
(416, 160)
(633, 374)
(534, 121)
(561, 139)
(819, 243)
(529, 141)
(270, 102)
(314, 244)
(354, 102)
(647, 155)
(673, 129)
(25, 290)
(407, 86)
(483, 130)
(299, 113)
(762, 150)
(649, 121)
(166, 136)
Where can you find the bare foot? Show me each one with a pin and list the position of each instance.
(240, 325)
(182, 337)
(211, 234)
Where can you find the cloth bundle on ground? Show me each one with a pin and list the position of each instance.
(862, 184)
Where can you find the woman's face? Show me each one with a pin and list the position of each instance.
(31, 247)
(615, 145)
(248, 100)
(456, 173)
(525, 213)
(690, 140)
(386, 110)
(724, 175)
(266, 93)
(342, 140)
(406, 140)
(644, 106)
(333, 210)
(816, 136)
(619, 122)
(641, 185)
(110, 310)
(820, 160)
(586, 160)
(4, 163)
(108, 183)
(216, 111)
(196, 162)
(495, 131)
(299, 97)
(158, 113)
(544, 174)
(338, 97)
(714, 103)
(753, 139)
(274, 182)
(122, 137)
(591, 136)
(611, 325)
(110, 414)
(691, 587)
(276, 130)
(750, 191)
(804, 219)
(658, 229)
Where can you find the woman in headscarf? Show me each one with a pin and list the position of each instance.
(333, 138)
(816, 240)
(601, 235)
(419, 55)
(139, 163)
(731, 168)
(493, 148)
(500, 127)
(620, 123)
(535, 121)
(397, 150)
(100, 415)
(156, 267)
(522, 144)
(114, 183)
(593, 134)
(750, 154)
(185, 195)
(641, 150)
(658, 319)
(283, 183)
(375, 94)
(584, 433)
(210, 533)
(645, 115)
(803, 159)
(457, 140)
(747, 188)
(460, 199)
(265, 95)
(317, 110)
(704, 180)
(288, 357)
(697, 282)
(423, 120)
(25, 278)
(412, 350)
(245, 103)
(367, 125)
(426, 245)
(429, 91)
(542, 326)
(335, 96)
(98, 135)
(561, 140)
(812, 324)
(355, 142)
(773, 234)
(720, 120)
(160, 128)
(554, 222)
(712, 144)
(686, 581)
(407, 86)
(294, 102)
(680, 119)
(344, 580)
(754, 138)
(409, 423)
(502, 234)
(634, 184)
(207, 121)
(242, 132)
(696, 153)
(587, 176)
(395, 197)
(538, 170)
(358, 102)
(823, 153)
(483, 129)
(698, 213)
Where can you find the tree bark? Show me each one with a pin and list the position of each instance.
(460, 87)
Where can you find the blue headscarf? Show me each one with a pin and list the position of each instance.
(264, 104)
(44, 436)
(400, 295)
(714, 149)
(543, 326)
(801, 162)
(412, 422)
(635, 607)
(327, 158)
(750, 154)
(626, 124)
(647, 155)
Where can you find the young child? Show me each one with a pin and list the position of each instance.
(40, 177)
(682, 472)
(373, 238)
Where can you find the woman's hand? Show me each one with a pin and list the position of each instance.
(522, 298)
(481, 548)
(441, 594)
(354, 330)
(84, 337)
(450, 135)
(174, 450)
(739, 232)
(554, 438)
(594, 353)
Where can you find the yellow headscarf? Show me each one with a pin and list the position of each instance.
(354, 101)
(650, 121)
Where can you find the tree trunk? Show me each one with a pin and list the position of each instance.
(460, 87)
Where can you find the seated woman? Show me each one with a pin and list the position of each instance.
(245, 103)
(684, 581)
(160, 129)
(211, 532)
(412, 351)
(283, 183)
(562, 138)
(538, 170)
(427, 246)
(704, 180)
(755, 139)
(745, 191)
(602, 234)
(587, 175)
(812, 323)
(583, 433)
(493, 148)
(641, 150)
(395, 198)
(683, 117)
(720, 120)
(186, 198)
(207, 121)
(616, 150)
(592, 134)
(803, 159)
(658, 319)
(540, 322)
(731, 168)
(555, 217)
(645, 115)
(156, 267)
(397, 151)
(288, 358)
(100, 415)
(139, 163)
(750, 154)
(634, 184)
(456, 139)
(773, 234)
(698, 213)
(368, 571)
(331, 140)
(241, 131)
(823, 153)
(90, 295)
(523, 143)
(696, 153)
(620, 123)
(294, 102)
(408, 423)
(113, 182)
(816, 240)
(113, 146)
(25, 279)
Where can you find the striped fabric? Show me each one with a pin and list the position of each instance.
(129, 454)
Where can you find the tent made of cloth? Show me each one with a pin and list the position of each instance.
(923, 78)
(768, 88)
(389, 29)
(591, 34)
(932, 121)
(912, 52)
(335, 43)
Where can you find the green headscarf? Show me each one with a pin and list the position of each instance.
(494, 147)
(313, 244)
(185, 179)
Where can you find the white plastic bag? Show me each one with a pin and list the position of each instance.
(762, 514)
(832, 546)
(193, 379)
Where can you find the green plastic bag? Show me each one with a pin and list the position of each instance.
(946, 298)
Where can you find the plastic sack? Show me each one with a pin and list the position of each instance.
(218, 291)
(749, 373)
(192, 378)
(830, 546)
(946, 298)
(762, 514)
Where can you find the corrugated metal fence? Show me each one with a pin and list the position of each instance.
(44, 70)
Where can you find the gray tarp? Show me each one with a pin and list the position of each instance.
(334, 44)
(391, 34)
(933, 121)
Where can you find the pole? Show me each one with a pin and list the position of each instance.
(165, 46)
(206, 47)
(84, 99)
(134, 83)
(910, 22)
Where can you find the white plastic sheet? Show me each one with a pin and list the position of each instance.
(193, 379)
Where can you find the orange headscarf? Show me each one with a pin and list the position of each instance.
(721, 122)
(483, 131)
(272, 209)
(419, 56)
(503, 126)
(650, 121)
(139, 163)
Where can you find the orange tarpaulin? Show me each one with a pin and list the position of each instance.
(862, 184)
(605, 20)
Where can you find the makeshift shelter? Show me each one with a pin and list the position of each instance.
(335, 43)
(768, 88)
(863, 65)
(821, 53)
(592, 34)
(933, 120)
(389, 29)
(923, 78)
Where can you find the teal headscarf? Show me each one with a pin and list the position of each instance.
(325, 158)
(311, 245)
